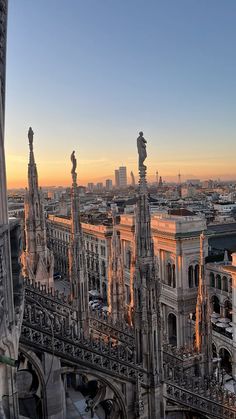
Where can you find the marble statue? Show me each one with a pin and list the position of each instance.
(74, 162)
(141, 144)
(30, 136)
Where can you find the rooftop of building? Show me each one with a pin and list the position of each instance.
(181, 212)
(222, 228)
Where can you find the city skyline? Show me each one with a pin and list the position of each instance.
(168, 72)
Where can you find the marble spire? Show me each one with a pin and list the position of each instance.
(203, 321)
(38, 261)
(77, 262)
(116, 285)
(146, 288)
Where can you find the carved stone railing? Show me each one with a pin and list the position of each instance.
(59, 304)
(50, 324)
(54, 295)
(104, 323)
(91, 353)
(180, 357)
(199, 394)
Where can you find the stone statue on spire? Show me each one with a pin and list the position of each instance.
(74, 166)
(142, 153)
(30, 137)
(74, 162)
(141, 144)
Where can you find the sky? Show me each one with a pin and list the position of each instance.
(88, 75)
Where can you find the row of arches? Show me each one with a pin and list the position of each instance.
(225, 358)
(220, 282)
(98, 393)
(193, 275)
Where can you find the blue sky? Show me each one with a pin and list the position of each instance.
(90, 74)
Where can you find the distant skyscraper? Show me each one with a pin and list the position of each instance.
(108, 184)
(117, 178)
(122, 177)
(99, 186)
(90, 187)
(132, 179)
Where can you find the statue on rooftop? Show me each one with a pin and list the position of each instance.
(30, 136)
(74, 162)
(141, 144)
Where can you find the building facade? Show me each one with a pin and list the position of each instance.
(176, 249)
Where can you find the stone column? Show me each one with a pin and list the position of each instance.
(56, 404)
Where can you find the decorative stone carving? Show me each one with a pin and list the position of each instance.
(38, 261)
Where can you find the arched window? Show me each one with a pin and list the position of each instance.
(218, 282)
(212, 280)
(196, 275)
(230, 284)
(169, 275)
(173, 276)
(190, 276)
(228, 309)
(226, 360)
(215, 304)
(225, 284)
(172, 329)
